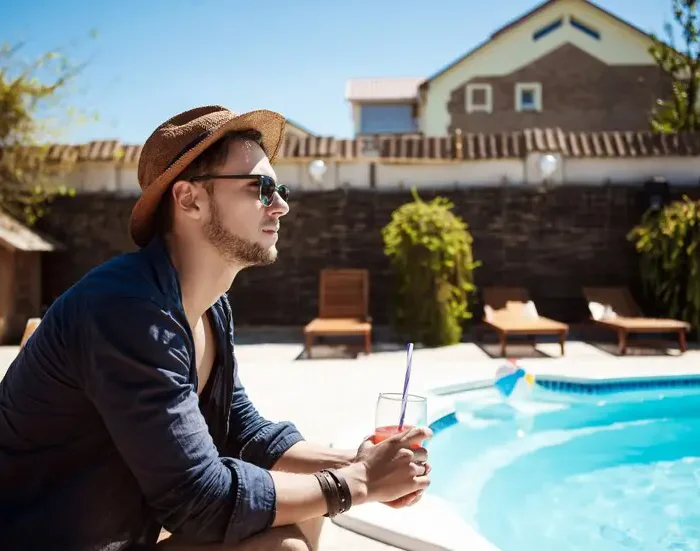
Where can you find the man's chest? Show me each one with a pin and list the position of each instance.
(205, 351)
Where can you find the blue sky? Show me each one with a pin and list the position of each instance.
(154, 58)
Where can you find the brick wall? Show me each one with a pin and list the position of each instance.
(579, 92)
(552, 242)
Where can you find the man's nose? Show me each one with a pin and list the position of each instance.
(279, 206)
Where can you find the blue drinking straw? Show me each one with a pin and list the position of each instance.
(404, 398)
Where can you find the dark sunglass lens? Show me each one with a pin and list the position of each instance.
(283, 191)
(267, 190)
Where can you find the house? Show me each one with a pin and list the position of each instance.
(561, 95)
(384, 105)
(565, 64)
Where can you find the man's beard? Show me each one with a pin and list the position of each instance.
(235, 249)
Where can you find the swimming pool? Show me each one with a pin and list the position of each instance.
(610, 466)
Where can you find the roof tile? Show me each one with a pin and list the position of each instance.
(458, 146)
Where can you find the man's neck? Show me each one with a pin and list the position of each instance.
(203, 275)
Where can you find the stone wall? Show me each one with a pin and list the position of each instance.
(552, 242)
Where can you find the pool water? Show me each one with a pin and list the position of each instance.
(560, 471)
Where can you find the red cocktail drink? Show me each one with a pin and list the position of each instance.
(382, 433)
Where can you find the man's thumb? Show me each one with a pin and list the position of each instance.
(366, 443)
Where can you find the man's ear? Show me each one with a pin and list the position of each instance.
(186, 198)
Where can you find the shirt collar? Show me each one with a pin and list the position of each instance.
(166, 278)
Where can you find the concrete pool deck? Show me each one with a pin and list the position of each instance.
(330, 396)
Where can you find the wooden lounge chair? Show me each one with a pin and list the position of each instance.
(509, 311)
(343, 307)
(29, 328)
(615, 309)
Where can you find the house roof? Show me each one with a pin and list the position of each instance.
(96, 150)
(408, 88)
(382, 89)
(504, 145)
(109, 150)
(20, 237)
(466, 146)
(519, 21)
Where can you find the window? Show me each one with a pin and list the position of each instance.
(478, 98)
(581, 26)
(544, 31)
(387, 118)
(528, 96)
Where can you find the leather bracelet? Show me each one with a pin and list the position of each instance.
(336, 507)
(343, 490)
(328, 493)
(336, 491)
(339, 499)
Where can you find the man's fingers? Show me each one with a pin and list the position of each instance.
(420, 455)
(415, 436)
(422, 481)
(397, 504)
(426, 468)
(421, 469)
(415, 497)
(406, 501)
(368, 442)
(401, 502)
(412, 435)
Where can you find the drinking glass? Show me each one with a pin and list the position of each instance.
(388, 414)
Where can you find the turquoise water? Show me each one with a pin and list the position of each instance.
(563, 472)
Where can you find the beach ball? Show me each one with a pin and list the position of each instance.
(513, 382)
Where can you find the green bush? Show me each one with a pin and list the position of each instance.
(430, 251)
(668, 241)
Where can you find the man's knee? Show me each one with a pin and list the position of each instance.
(297, 543)
(283, 538)
(287, 538)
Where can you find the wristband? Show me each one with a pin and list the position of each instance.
(336, 491)
(343, 490)
(328, 494)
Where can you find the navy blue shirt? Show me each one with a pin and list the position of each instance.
(103, 438)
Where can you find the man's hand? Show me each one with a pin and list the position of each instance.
(420, 457)
(410, 499)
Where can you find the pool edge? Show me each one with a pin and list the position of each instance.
(418, 528)
(432, 524)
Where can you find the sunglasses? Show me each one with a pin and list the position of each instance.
(266, 185)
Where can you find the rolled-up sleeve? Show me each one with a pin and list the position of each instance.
(136, 362)
(253, 438)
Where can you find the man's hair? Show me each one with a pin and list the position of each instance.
(210, 159)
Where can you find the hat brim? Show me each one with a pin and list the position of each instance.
(268, 123)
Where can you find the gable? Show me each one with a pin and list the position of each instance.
(574, 69)
(555, 23)
(577, 91)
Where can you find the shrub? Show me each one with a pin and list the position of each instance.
(430, 251)
(668, 241)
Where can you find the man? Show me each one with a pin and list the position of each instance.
(124, 413)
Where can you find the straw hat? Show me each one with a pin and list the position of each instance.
(178, 141)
